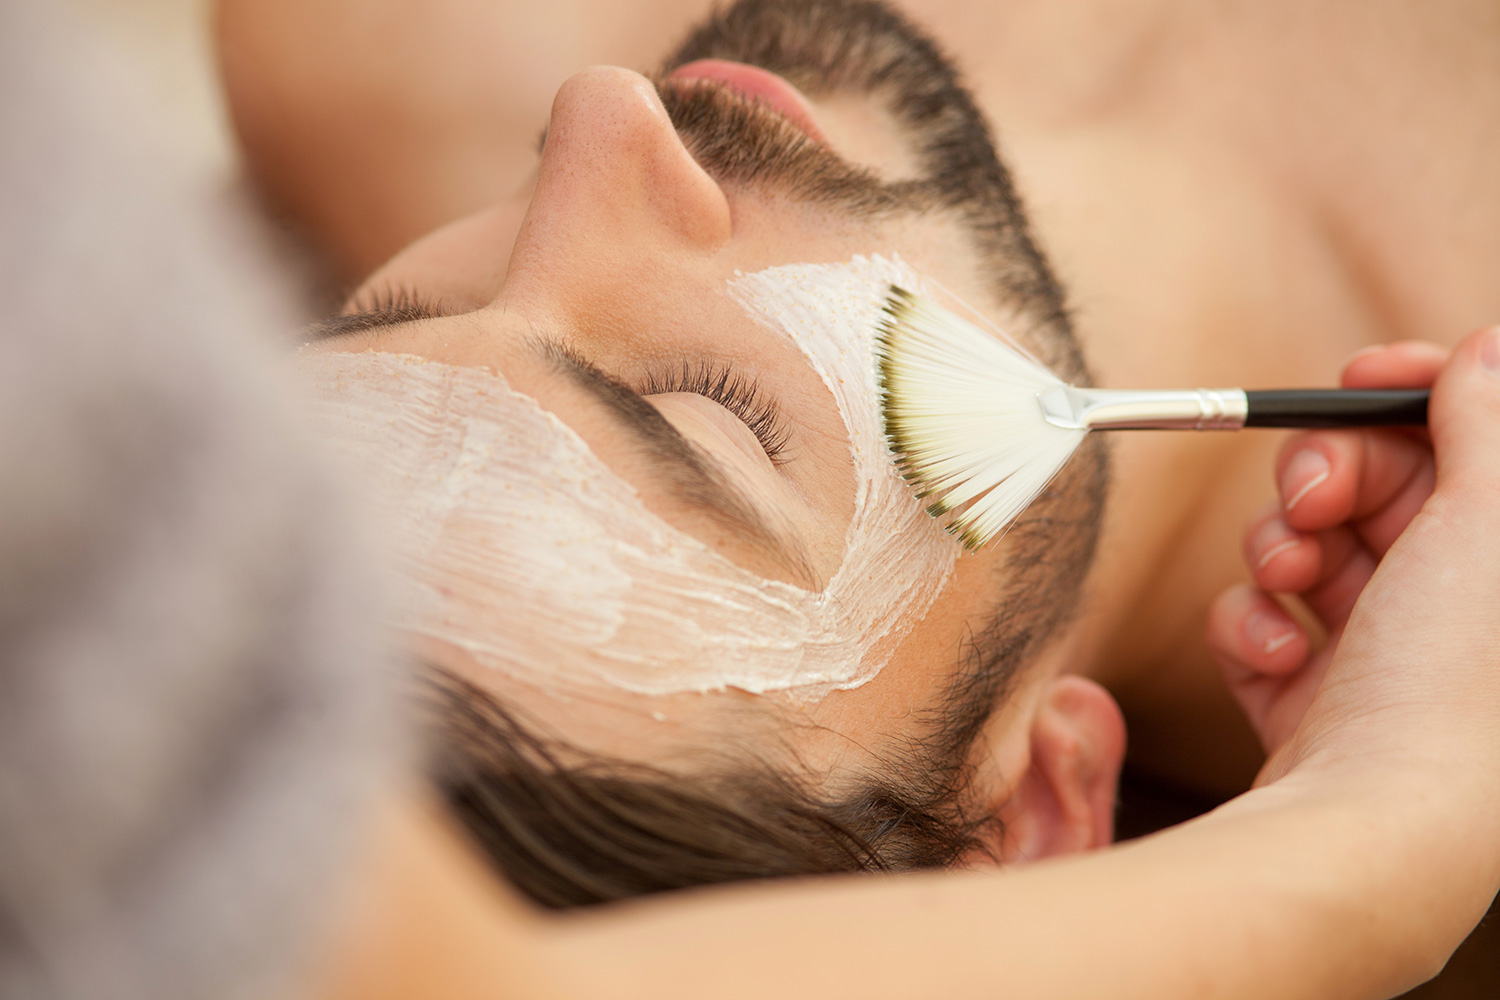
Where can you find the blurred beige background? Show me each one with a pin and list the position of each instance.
(168, 43)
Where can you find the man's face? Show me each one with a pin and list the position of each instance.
(601, 290)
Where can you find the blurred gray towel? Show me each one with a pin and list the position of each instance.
(193, 710)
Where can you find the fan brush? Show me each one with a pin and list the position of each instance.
(980, 429)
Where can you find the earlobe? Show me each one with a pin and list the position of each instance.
(1065, 801)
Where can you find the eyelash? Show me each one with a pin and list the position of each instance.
(383, 307)
(739, 395)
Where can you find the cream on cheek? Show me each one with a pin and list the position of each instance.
(519, 546)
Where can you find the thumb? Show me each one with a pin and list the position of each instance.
(1464, 417)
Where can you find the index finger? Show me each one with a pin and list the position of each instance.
(1329, 478)
(1372, 476)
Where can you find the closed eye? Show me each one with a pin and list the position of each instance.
(389, 306)
(737, 393)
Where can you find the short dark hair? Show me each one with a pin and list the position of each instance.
(568, 827)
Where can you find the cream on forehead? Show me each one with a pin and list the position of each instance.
(521, 547)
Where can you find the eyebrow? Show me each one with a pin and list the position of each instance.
(692, 476)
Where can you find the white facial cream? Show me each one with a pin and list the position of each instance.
(521, 547)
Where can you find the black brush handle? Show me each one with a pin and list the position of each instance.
(1317, 408)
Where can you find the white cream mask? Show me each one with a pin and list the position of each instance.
(521, 547)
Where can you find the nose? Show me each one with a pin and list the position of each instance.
(615, 181)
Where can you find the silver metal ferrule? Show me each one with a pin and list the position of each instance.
(1171, 409)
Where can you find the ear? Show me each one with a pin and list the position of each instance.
(1065, 801)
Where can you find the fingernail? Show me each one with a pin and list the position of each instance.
(1304, 473)
(1489, 351)
(1276, 550)
(1268, 632)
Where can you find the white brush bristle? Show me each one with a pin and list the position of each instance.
(962, 415)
